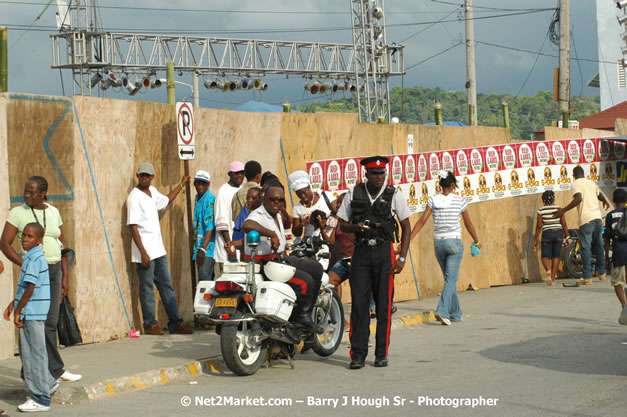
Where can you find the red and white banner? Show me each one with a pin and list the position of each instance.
(483, 173)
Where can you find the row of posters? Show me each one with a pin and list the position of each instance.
(484, 173)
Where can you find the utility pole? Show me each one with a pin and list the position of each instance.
(564, 75)
(471, 76)
(4, 60)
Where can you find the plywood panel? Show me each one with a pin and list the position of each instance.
(553, 133)
(7, 290)
(620, 127)
(137, 132)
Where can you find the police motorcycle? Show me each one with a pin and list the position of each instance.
(251, 311)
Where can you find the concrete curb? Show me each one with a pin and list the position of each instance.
(67, 394)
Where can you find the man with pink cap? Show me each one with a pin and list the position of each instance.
(224, 221)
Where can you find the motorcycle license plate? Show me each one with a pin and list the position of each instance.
(226, 302)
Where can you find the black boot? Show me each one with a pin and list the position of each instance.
(303, 316)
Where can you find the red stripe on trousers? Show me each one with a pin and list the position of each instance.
(390, 292)
(302, 284)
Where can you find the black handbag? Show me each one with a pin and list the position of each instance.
(69, 333)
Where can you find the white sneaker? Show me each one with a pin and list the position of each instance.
(54, 388)
(443, 320)
(69, 377)
(31, 406)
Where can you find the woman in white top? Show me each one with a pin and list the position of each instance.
(447, 209)
(553, 231)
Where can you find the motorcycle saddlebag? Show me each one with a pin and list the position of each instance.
(275, 299)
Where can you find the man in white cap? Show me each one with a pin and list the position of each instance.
(309, 202)
(204, 226)
(148, 252)
(224, 221)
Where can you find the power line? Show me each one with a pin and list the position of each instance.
(433, 56)
(534, 65)
(270, 12)
(511, 48)
(286, 30)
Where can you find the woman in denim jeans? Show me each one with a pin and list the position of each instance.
(447, 209)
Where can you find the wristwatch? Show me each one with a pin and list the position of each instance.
(401, 259)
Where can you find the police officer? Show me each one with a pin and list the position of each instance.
(368, 211)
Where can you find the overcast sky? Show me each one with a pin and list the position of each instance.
(499, 70)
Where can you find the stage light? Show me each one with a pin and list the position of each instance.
(622, 19)
(244, 84)
(156, 83)
(323, 88)
(257, 84)
(232, 86)
(377, 12)
(95, 80)
(132, 88)
(312, 87)
(263, 87)
(146, 82)
(226, 86)
(621, 4)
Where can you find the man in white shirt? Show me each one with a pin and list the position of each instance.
(586, 197)
(306, 281)
(148, 252)
(223, 250)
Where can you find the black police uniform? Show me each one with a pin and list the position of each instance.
(370, 266)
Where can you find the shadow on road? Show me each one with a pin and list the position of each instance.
(578, 353)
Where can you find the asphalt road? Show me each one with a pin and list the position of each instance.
(525, 351)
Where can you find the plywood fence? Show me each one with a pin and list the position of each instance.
(62, 139)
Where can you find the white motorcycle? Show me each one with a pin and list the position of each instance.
(252, 314)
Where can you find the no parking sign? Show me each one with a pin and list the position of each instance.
(185, 130)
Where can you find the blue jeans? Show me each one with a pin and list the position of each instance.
(157, 274)
(35, 361)
(449, 254)
(205, 272)
(592, 241)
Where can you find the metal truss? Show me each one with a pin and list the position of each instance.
(136, 53)
(374, 59)
(368, 62)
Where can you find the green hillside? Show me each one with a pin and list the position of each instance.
(527, 113)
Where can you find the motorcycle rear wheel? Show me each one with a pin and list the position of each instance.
(573, 261)
(329, 341)
(240, 354)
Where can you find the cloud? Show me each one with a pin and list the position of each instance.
(498, 70)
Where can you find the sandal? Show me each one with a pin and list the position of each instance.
(394, 309)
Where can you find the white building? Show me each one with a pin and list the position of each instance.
(611, 78)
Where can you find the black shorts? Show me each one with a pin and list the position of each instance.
(552, 243)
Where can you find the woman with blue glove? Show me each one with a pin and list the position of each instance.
(448, 209)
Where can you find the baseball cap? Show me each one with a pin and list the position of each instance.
(202, 176)
(146, 168)
(236, 166)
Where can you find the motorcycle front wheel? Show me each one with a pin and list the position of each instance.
(332, 323)
(240, 352)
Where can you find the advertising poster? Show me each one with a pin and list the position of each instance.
(316, 176)
(334, 175)
(351, 172)
(396, 176)
(434, 165)
(486, 173)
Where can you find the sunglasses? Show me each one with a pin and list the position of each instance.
(277, 200)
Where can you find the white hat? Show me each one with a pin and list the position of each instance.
(298, 180)
(202, 176)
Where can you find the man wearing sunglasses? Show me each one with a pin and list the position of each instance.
(306, 281)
